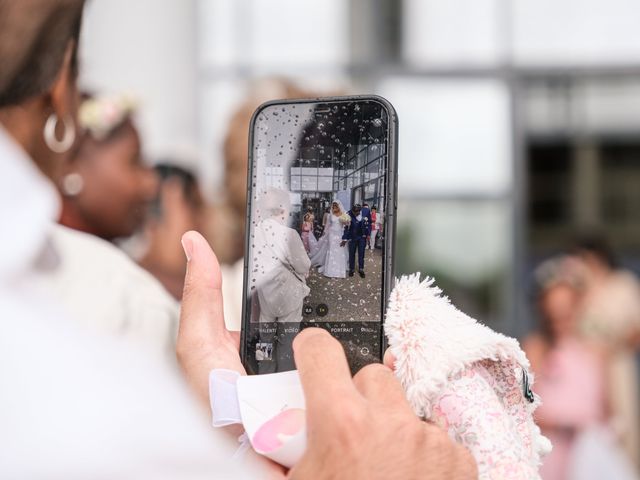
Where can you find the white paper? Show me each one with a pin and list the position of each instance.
(263, 397)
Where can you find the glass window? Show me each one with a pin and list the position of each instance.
(455, 135)
(575, 31)
(258, 33)
(464, 245)
(432, 33)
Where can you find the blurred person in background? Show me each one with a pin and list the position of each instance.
(177, 208)
(106, 192)
(375, 226)
(107, 189)
(570, 373)
(610, 314)
(74, 405)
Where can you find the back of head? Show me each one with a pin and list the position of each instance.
(170, 171)
(595, 245)
(274, 203)
(558, 283)
(236, 141)
(34, 35)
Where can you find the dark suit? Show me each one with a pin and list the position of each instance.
(356, 233)
(365, 212)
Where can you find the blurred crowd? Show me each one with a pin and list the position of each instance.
(120, 209)
(583, 356)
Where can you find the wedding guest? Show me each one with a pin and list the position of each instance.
(570, 373)
(106, 188)
(307, 231)
(280, 277)
(177, 208)
(375, 227)
(356, 234)
(105, 191)
(610, 315)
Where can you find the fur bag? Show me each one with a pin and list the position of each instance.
(465, 377)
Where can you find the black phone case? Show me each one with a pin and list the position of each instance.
(391, 206)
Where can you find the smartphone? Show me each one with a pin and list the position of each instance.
(320, 227)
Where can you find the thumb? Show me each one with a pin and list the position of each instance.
(201, 311)
(202, 307)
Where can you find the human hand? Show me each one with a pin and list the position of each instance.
(364, 428)
(204, 343)
(343, 243)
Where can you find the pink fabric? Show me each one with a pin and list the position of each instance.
(306, 231)
(571, 384)
(473, 414)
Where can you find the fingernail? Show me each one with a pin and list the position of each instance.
(187, 246)
(309, 331)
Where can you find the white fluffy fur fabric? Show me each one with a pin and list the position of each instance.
(433, 341)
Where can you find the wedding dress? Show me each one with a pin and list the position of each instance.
(328, 255)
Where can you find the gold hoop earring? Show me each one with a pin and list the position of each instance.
(55, 145)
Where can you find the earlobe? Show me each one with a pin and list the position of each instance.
(63, 101)
(64, 91)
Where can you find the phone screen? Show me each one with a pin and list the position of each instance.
(319, 230)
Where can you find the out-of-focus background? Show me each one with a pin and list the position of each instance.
(519, 120)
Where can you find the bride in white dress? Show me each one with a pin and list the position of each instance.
(328, 255)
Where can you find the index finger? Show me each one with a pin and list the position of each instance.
(324, 372)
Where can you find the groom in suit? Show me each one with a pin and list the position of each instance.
(356, 234)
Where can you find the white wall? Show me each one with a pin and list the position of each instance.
(148, 48)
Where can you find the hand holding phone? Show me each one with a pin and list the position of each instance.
(367, 421)
(369, 410)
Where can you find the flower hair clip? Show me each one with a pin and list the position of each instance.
(103, 114)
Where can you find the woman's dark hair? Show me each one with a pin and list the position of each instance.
(34, 35)
(167, 170)
(595, 244)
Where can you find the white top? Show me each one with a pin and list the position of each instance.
(74, 405)
(104, 290)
